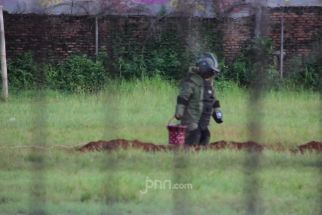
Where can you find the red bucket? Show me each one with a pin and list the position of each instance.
(177, 133)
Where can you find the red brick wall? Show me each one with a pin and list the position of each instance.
(236, 35)
(300, 31)
(48, 36)
(301, 27)
(55, 37)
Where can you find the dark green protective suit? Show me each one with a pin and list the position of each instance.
(195, 105)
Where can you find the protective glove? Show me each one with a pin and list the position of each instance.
(217, 114)
(181, 105)
(178, 116)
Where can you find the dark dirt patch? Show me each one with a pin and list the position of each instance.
(123, 144)
(249, 145)
(150, 147)
(312, 146)
(113, 145)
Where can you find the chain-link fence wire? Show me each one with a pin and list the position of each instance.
(37, 200)
(111, 105)
(181, 175)
(252, 159)
(180, 161)
(319, 162)
(318, 51)
(38, 154)
(252, 184)
(180, 171)
(39, 110)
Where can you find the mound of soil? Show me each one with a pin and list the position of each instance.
(112, 145)
(150, 147)
(121, 144)
(312, 146)
(124, 144)
(249, 145)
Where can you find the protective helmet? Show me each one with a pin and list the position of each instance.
(208, 65)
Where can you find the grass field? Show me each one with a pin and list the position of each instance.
(111, 183)
(97, 183)
(141, 110)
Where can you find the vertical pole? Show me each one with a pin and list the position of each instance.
(282, 48)
(96, 37)
(3, 58)
(255, 116)
(319, 161)
(258, 19)
(72, 7)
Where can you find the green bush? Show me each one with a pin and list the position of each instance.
(22, 72)
(313, 75)
(134, 66)
(77, 73)
(164, 52)
(305, 74)
(253, 65)
(164, 56)
(238, 71)
(164, 63)
(157, 56)
(301, 73)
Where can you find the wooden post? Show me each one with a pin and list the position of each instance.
(96, 37)
(282, 48)
(3, 58)
(258, 20)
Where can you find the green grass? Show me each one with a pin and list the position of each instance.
(141, 110)
(96, 182)
(110, 183)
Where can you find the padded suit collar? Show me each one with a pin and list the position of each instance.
(195, 77)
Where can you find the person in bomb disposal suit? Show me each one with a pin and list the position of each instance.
(197, 101)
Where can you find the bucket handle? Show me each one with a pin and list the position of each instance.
(171, 120)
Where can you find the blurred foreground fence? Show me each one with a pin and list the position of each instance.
(180, 171)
